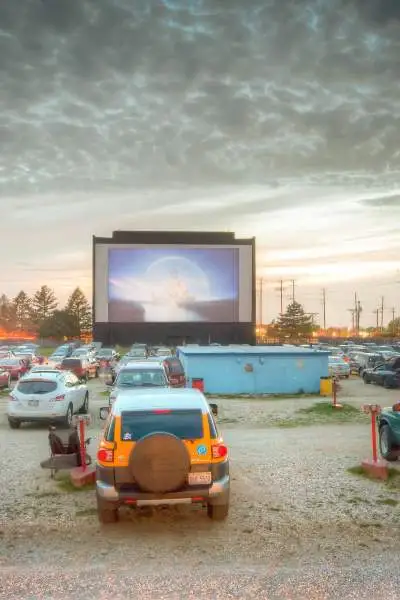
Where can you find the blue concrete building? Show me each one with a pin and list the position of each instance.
(255, 369)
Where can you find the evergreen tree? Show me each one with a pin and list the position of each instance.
(393, 327)
(294, 324)
(44, 303)
(21, 311)
(6, 314)
(58, 325)
(79, 307)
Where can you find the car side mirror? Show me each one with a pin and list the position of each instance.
(104, 412)
(214, 409)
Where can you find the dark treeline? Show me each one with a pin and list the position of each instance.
(41, 314)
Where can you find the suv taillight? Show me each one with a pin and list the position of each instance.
(60, 398)
(219, 451)
(104, 455)
(11, 397)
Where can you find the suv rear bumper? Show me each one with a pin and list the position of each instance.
(217, 493)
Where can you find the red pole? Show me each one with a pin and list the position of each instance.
(373, 435)
(82, 441)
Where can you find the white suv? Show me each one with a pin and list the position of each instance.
(47, 396)
(137, 375)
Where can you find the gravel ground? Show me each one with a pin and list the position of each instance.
(300, 525)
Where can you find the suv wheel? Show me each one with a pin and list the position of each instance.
(68, 416)
(106, 512)
(385, 444)
(85, 406)
(14, 423)
(386, 383)
(365, 378)
(217, 512)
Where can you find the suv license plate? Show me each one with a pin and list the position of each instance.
(33, 402)
(200, 478)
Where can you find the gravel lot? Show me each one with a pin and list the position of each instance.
(300, 525)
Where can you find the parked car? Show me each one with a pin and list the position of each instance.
(16, 367)
(389, 432)
(137, 354)
(387, 374)
(338, 367)
(162, 351)
(139, 375)
(56, 358)
(5, 379)
(367, 360)
(107, 357)
(161, 447)
(47, 396)
(173, 368)
(83, 368)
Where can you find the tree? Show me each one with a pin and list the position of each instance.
(58, 325)
(21, 311)
(6, 314)
(393, 327)
(79, 307)
(294, 324)
(44, 303)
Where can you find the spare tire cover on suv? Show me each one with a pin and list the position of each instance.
(159, 463)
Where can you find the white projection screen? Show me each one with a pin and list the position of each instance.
(136, 283)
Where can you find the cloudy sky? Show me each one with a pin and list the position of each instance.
(273, 118)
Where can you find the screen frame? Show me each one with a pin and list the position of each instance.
(156, 240)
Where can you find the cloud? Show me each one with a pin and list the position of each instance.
(274, 119)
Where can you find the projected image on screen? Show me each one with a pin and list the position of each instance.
(173, 285)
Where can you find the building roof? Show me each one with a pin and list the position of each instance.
(249, 350)
(161, 398)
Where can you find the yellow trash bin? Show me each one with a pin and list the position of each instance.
(325, 386)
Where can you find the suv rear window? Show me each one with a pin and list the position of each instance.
(72, 362)
(36, 387)
(184, 424)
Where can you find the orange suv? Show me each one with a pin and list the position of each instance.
(161, 447)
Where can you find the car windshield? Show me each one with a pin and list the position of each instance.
(9, 362)
(140, 353)
(105, 352)
(136, 378)
(184, 424)
(36, 386)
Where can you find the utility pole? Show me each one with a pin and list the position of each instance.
(376, 313)
(324, 307)
(382, 311)
(261, 300)
(393, 323)
(281, 289)
(293, 293)
(353, 314)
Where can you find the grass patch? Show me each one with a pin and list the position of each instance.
(388, 502)
(46, 351)
(44, 494)
(86, 512)
(263, 397)
(392, 482)
(321, 413)
(65, 484)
